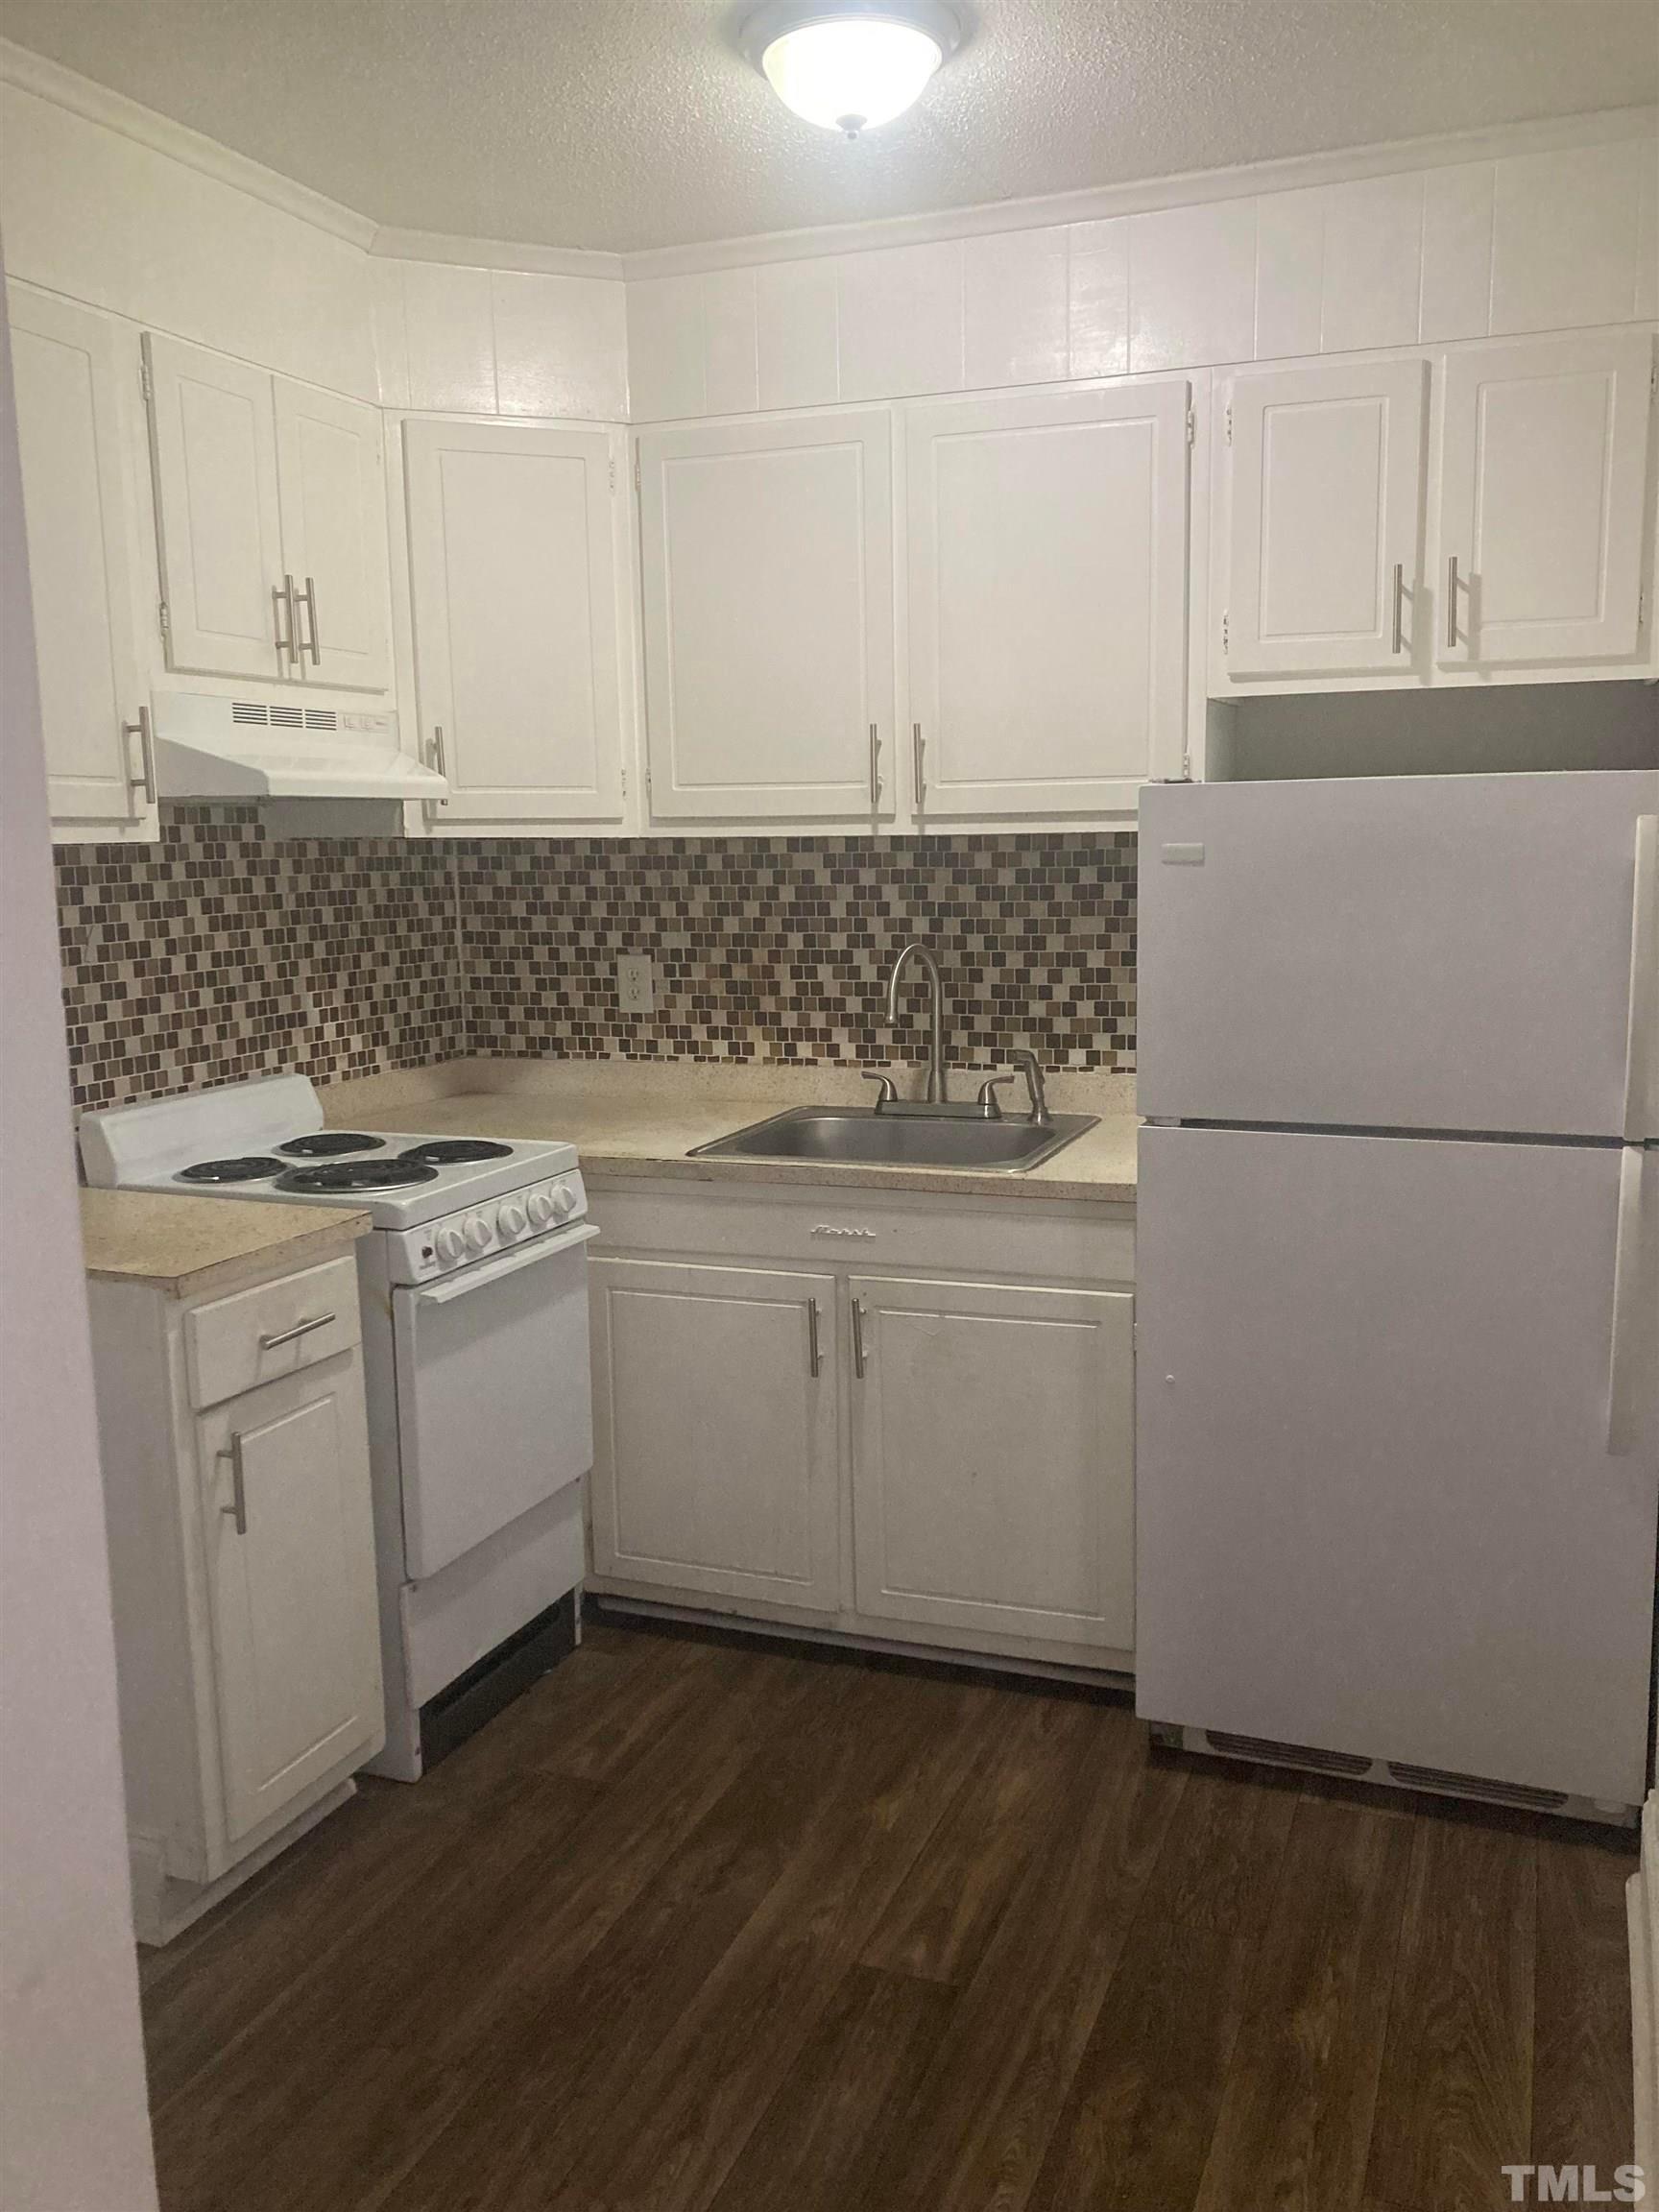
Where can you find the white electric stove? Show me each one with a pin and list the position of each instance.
(474, 1299)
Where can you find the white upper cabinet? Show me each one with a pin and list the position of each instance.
(72, 379)
(1543, 475)
(331, 494)
(1047, 545)
(767, 570)
(259, 484)
(513, 571)
(1325, 533)
(213, 431)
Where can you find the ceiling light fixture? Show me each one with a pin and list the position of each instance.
(846, 64)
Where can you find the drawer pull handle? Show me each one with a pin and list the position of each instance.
(293, 1335)
(237, 1510)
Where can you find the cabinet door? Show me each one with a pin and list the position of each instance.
(1544, 471)
(767, 553)
(993, 1459)
(78, 515)
(290, 1546)
(214, 445)
(333, 505)
(1047, 598)
(514, 580)
(1325, 538)
(715, 1418)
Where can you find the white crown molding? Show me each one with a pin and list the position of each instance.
(1293, 172)
(494, 253)
(98, 104)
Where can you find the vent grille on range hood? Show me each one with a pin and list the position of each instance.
(211, 748)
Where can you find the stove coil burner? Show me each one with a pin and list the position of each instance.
(450, 1151)
(329, 1144)
(248, 1168)
(357, 1175)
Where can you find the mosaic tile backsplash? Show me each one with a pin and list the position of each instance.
(778, 947)
(221, 954)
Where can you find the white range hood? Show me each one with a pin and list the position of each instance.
(212, 748)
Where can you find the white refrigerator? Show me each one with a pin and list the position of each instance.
(1398, 1279)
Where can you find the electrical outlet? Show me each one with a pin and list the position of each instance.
(635, 983)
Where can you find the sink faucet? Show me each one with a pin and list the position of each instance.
(937, 1093)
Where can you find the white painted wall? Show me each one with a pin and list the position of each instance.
(74, 2131)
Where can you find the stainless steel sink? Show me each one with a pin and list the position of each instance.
(858, 1135)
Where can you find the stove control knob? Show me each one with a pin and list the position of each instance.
(564, 1202)
(541, 1208)
(478, 1233)
(510, 1218)
(451, 1245)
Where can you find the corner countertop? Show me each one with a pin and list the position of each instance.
(184, 1246)
(630, 1119)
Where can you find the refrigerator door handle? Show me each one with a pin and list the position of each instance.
(1642, 1034)
(1624, 1360)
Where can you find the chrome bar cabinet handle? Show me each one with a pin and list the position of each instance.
(278, 1336)
(918, 765)
(282, 602)
(308, 598)
(1398, 605)
(145, 780)
(1451, 599)
(874, 766)
(858, 1339)
(434, 761)
(237, 1510)
(814, 1353)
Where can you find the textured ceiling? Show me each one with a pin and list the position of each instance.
(635, 123)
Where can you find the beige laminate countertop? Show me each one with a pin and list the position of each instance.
(632, 1120)
(186, 1245)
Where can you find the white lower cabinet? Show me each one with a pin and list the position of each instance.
(716, 1424)
(993, 1459)
(290, 1579)
(241, 1572)
(939, 1453)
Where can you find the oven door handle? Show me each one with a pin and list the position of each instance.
(481, 1276)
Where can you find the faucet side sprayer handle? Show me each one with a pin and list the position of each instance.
(1027, 1063)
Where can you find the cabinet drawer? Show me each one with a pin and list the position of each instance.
(854, 1226)
(274, 1329)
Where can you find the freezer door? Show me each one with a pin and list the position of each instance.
(1376, 1508)
(1416, 952)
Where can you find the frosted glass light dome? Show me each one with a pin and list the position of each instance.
(850, 68)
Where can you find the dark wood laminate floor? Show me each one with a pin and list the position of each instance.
(707, 1926)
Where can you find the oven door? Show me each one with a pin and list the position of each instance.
(495, 1406)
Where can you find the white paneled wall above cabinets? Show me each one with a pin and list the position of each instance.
(1479, 515)
(481, 341)
(1560, 237)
